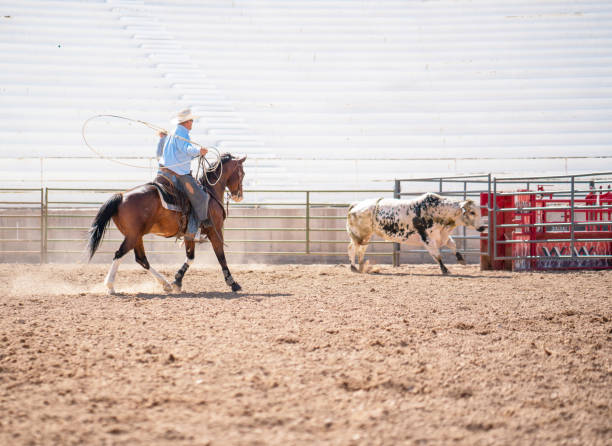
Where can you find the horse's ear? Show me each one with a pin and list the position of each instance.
(242, 160)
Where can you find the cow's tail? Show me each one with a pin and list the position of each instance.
(100, 223)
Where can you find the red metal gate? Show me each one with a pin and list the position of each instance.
(548, 230)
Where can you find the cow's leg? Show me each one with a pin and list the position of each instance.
(453, 247)
(434, 250)
(141, 259)
(359, 229)
(431, 239)
(357, 248)
(361, 250)
(352, 249)
(178, 277)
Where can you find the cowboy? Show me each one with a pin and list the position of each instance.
(161, 143)
(175, 161)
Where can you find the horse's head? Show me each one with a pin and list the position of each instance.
(232, 173)
(236, 175)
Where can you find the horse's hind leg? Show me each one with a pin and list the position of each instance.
(125, 247)
(178, 277)
(109, 281)
(141, 258)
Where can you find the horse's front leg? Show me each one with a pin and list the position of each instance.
(178, 277)
(217, 244)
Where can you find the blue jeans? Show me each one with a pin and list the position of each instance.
(197, 197)
(199, 201)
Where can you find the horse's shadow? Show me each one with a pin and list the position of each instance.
(226, 295)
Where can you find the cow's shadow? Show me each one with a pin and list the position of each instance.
(443, 276)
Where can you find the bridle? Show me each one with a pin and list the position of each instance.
(228, 194)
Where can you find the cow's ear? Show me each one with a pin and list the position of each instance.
(465, 206)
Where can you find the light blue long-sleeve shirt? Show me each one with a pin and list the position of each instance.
(178, 153)
(160, 146)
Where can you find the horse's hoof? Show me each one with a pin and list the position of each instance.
(446, 273)
(236, 287)
(111, 292)
(176, 288)
(168, 288)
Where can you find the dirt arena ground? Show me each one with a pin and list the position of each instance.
(305, 355)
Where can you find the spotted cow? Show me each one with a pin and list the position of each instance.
(428, 219)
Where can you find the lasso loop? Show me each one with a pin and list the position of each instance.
(212, 166)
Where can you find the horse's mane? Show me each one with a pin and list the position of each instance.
(213, 175)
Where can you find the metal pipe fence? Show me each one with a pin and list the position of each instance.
(307, 222)
(40, 224)
(534, 229)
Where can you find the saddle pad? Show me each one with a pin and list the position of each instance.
(166, 199)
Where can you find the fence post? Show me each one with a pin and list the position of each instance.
(42, 224)
(486, 258)
(396, 246)
(307, 222)
(45, 222)
(463, 227)
(493, 229)
(572, 218)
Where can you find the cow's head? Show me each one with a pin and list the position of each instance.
(470, 215)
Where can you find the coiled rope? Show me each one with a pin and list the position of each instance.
(211, 166)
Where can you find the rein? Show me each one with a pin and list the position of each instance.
(227, 200)
(214, 196)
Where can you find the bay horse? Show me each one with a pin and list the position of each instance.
(139, 211)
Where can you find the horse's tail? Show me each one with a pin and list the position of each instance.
(100, 223)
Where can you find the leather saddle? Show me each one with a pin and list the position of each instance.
(173, 198)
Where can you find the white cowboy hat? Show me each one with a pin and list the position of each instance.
(183, 116)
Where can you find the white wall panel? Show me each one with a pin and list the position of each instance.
(318, 93)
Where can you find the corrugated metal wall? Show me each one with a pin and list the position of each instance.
(314, 90)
